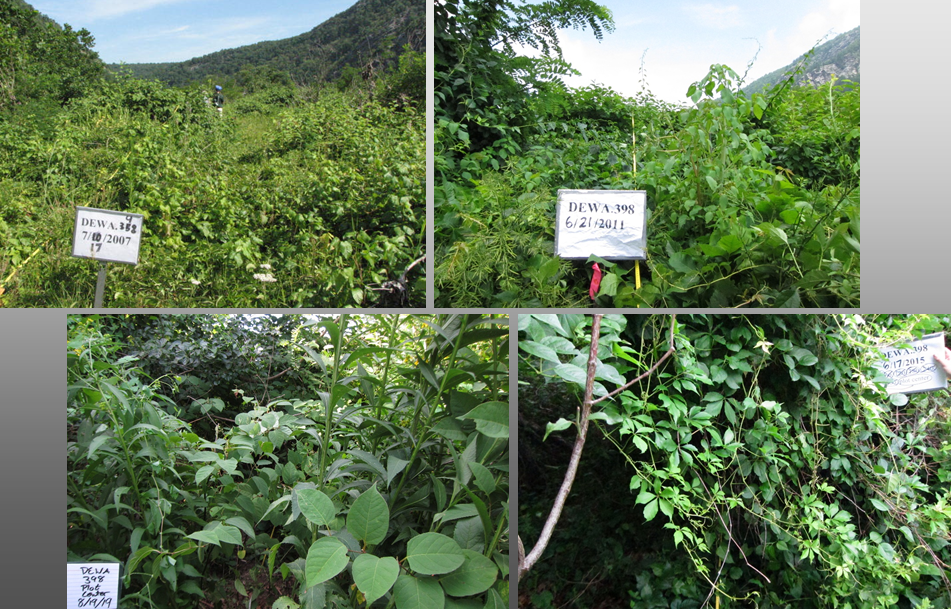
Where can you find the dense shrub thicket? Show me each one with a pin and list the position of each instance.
(293, 197)
(753, 200)
(374, 473)
(762, 464)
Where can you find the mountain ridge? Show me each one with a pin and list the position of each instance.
(839, 56)
(368, 36)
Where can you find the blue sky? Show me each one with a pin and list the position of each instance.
(145, 31)
(683, 38)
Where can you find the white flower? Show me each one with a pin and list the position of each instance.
(195, 281)
(266, 267)
(265, 278)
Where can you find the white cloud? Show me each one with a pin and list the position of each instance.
(714, 15)
(192, 42)
(88, 11)
(224, 28)
(107, 9)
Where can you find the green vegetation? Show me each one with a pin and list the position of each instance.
(752, 200)
(295, 196)
(762, 464)
(291, 462)
(367, 37)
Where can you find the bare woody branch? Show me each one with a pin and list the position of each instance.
(526, 562)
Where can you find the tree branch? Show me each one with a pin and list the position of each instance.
(559, 504)
(526, 562)
(673, 319)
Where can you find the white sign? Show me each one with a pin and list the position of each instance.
(607, 223)
(93, 584)
(110, 236)
(913, 369)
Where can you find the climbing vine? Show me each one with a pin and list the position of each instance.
(764, 460)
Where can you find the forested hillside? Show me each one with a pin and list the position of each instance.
(752, 200)
(365, 39)
(289, 196)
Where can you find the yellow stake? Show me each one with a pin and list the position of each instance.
(637, 263)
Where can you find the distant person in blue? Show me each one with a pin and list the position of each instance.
(218, 99)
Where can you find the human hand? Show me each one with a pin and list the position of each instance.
(944, 360)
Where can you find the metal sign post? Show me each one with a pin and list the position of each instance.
(100, 285)
(106, 236)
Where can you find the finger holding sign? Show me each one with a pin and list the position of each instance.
(944, 360)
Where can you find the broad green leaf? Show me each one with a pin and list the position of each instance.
(551, 321)
(331, 328)
(369, 517)
(559, 344)
(418, 593)
(229, 465)
(880, 505)
(274, 504)
(326, 558)
(609, 285)
(463, 510)
(374, 576)
(371, 460)
(572, 374)
(96, 443)
(650, 510)
(539, 350)
(470, 534)
(493, 600)
(439, 489)
(394, 465)
(433, 554)
(559, 425)
(682, 263)
(482, 510)
(315, 597)
(483, 477)
(476, 575)
(316, 506)
(203, 472)
(730, 243)
(285, 602)
(607, 372)
(639, 443)
(624, 353)
(428, 374)
(898, 399)
(229, 534)
(119, 394)
(491, 419)
(450, 429)
(243, 524)
(206, 536)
